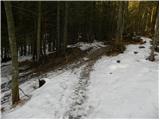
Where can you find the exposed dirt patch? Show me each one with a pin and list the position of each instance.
(136, 41)
(53, 61)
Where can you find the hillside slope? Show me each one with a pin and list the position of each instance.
(101, 89)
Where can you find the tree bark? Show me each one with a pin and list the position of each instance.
(39, 31)
(58, 27)
(155, 37)
(65, 33)
(14, 55)
(120, 25)
(154, 18)
(34, 41)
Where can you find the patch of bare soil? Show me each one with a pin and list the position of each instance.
(136, 41)
(52, 62)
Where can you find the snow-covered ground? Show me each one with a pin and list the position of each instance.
(128, 89)
(49, 101)
(85, 46)
(6, 68)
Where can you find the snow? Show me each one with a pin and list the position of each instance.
(85, 58)
(6, 69)
(128, 89)
(48, 101)
(23, 58)
(85, 46)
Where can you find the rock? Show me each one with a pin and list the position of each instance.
(41, 82)
(135, 52)
(141, 47)
(144, 42)
(118, 61)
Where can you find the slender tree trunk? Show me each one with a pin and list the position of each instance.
(13, 47)
(2, 53)
(139, 18)
(154, 18)
(100, 23)
(44, 38)
(34, 41)
(65, 33)
(5, 53)
(58, 27)
(155, 38)
(49, 45)
(147, 21)
(120, 25)
(39, 31)
(25, 48)
(125, 16)
(151, 17)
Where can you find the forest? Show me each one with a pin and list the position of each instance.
(62, 55)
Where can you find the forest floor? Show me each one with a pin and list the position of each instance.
(95, 86)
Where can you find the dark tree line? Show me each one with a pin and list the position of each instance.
(36, 28)
(42, 25)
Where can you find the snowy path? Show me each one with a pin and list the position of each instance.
(78, 108)
(98, 89)
(128, 89)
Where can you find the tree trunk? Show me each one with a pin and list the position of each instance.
(139, 18)
(125, 16)
(13, 47)
(39, 31)
(34, 47)
(2, 54)
(155, 38)
(120, 25)
(154, 18)
(58, 27)
(65, 33)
